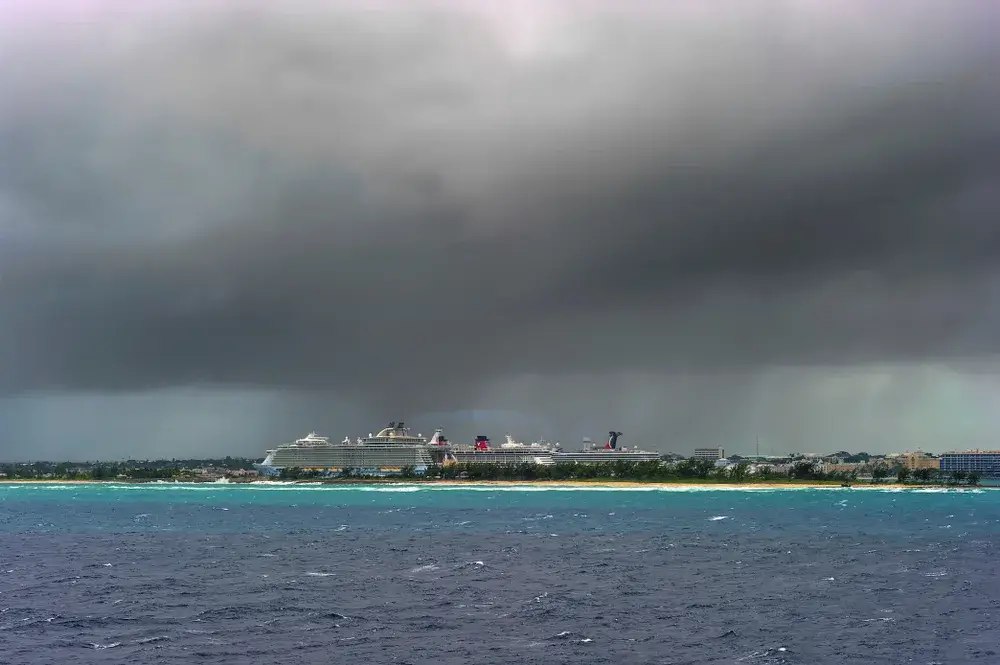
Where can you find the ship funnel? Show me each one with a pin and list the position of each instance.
(613, 439)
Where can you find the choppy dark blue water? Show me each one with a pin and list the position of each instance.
(238, 574)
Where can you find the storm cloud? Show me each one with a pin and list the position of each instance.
(642, 215)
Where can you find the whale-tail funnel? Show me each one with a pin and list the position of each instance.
(613, 440)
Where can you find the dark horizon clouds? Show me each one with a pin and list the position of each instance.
(568, 210)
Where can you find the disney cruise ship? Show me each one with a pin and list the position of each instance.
(509, 452)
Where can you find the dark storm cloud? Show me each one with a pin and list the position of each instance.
(324, 199)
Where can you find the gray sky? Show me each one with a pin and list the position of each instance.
(223, 225)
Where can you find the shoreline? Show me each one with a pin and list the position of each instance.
(685, 484)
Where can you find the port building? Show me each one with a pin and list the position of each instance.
(710, 454)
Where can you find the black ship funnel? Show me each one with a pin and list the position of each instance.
(613, 439)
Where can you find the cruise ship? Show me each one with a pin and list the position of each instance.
(609, 453)
(388, 452)
(509, 452)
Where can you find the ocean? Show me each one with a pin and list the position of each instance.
(165, 573)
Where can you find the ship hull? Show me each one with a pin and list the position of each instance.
(375, 472)
(501, 457)
(601, 456)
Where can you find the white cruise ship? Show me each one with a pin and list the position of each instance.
(509, 452)
(388, 452)
(609, 453)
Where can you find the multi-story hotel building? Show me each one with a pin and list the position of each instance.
(984, 462)
(710, 454)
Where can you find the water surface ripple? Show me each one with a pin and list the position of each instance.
(165, 573)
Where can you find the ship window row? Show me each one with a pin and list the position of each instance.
(347, 454)
(345, 457)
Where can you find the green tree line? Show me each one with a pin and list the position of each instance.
(129, 469)
(651, 471)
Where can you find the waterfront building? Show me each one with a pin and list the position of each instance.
(710, 454)
(986, 463)
(918, 460)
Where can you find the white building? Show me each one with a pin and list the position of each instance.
(710, 454)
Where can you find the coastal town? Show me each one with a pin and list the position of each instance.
(705, 464)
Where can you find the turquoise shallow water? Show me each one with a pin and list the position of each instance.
(318, 574)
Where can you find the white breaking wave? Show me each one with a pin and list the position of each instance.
(291, 486)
